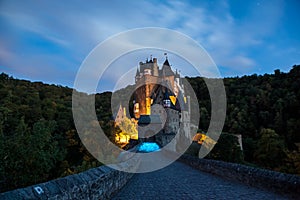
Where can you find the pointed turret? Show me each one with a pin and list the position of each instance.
(137, 75)
(166, 69)
(166, 62)
(120, 115)
(137, 72)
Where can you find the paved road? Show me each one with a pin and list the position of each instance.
(180, 181)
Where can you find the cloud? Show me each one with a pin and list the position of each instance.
(5, 54)
(231, 34)
(240, 61)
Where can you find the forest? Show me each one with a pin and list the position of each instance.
(265, 110)
(39, 142)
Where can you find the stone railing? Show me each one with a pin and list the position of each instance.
(287, 184)
(97, 183)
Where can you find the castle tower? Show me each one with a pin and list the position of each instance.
(145, 84)
(155, 67)
(163, 87)
(147, 79)
(167, 73)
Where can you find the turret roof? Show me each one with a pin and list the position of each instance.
(166, 69)
(137, 72)
(166, 62)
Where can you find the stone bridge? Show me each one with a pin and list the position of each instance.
(187, 178)
(180, 181)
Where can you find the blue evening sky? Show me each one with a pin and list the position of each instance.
(48, 40)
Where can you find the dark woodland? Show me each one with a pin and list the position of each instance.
(39, 142)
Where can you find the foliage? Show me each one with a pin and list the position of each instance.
(127, 129)
(227, 149)
(38, 139)
(255, 103)
(270, 151)
(29, 155)
(193, 149)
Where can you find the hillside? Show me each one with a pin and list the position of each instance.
(37, 130)
(265, 110)
(38, 140)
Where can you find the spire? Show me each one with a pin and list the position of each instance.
(166, 69)
(166, 62)
(137, 72)
(150, 59)
(177, 74)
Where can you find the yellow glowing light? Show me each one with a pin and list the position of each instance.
(173, 99)
(148, 104)
(199, 137)
(121, 138)
(134, 137)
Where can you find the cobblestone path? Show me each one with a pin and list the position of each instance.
(180, 181)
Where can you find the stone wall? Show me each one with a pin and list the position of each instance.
(97, 183)
(271, 180)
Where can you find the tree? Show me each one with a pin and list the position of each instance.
(128, 128)
(27, 157)
(248, 148)
(270, 151)
(227, 149)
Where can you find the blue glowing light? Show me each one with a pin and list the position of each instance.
(148, 147)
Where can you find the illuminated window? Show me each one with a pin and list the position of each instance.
(136, 107)
(167, 103)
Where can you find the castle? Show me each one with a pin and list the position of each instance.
(160, 104)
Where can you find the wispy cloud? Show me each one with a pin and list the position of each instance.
(60, 36)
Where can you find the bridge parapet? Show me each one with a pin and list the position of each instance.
(97, 183)
(271, 180)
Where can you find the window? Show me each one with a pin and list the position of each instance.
(167, 103)
(136, 107)
(147, 72)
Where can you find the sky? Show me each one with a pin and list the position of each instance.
(48, 40)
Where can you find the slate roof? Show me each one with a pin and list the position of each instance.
(166, 62)
(167, 71)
